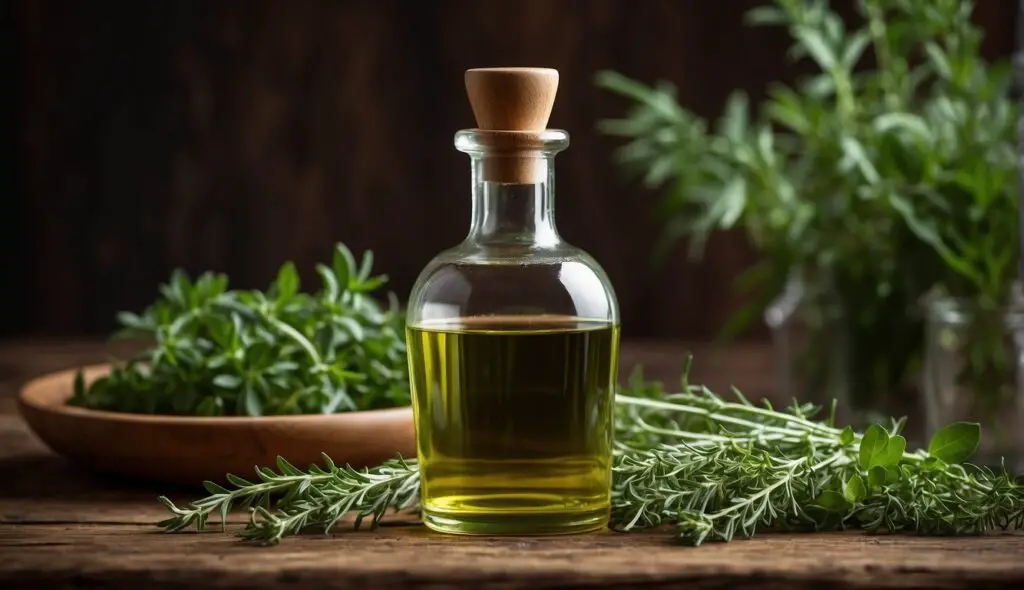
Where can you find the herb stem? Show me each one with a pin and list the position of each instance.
(756, 436)
(724, 418)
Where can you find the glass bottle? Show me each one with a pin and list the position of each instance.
(974, 372)
(513, 338)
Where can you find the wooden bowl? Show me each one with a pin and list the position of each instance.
(188, 450)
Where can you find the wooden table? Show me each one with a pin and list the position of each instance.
(64, 528)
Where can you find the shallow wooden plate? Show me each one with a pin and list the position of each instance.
(189, 450)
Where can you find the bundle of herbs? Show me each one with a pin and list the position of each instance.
(217, 351)
(714, 468)
(885, 179)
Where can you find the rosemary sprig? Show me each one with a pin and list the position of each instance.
(321, 496)
(714, 467)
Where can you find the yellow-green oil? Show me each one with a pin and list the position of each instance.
(514, 423)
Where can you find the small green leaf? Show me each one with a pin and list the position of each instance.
(352, 327)
(854, 490)
(328, 462)
(855, 49)
(734, 123)
(925, 230)
(905, 121)
(238, 481)
(625, 86)
(226, 381)
(661, 168)
(765, 15)
(816, 47)
(956, 442)
(259, 355)
(832, 501)
(876, 476)
(287, 468)
(331, 287)
(211, 406)
(854, 154)
(213, 488)
(872, 446)
(893, 453)
(367, 266)
(287, 282)
(892, 474)
(786, 109)
(134, 322)
(847, 436)
(252, 401)
(938, 60)
(224, 507)
(733, 201)
(344, 266)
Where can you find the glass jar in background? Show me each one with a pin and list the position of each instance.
(809, 344)
(852, 346)
(974, 372)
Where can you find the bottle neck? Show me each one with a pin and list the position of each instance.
(514, 214)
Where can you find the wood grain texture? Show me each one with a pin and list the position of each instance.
(54, 556)
(235, 135)
(63, 527)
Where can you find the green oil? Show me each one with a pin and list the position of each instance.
(514, 423)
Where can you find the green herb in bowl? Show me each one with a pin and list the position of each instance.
(222, 352)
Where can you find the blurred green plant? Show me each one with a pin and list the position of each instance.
(878, 182)
(221, 352)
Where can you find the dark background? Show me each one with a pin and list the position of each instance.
(235, 135)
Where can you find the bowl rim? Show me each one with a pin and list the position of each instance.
(29, 399)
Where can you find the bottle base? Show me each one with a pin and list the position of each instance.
(515, 523)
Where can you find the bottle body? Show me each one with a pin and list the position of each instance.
(513, 351)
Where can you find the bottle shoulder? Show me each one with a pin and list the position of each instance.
(478, 281)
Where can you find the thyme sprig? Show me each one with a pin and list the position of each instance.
(716, 468)
(218, 351)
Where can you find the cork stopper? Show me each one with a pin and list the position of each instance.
(513, 105)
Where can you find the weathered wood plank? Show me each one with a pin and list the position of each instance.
(411, 557)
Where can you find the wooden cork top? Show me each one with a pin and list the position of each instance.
(515, 104)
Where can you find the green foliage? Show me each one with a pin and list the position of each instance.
(877, 181)
(715, 468)
(955, 443)
(260, 353)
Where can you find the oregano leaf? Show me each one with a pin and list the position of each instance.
(892, 474)
(287, 282)
(832, 501)
(893, 454)
(876, 476)
(854, 490)
(227, 381)
(956, 442)
(872, 446)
